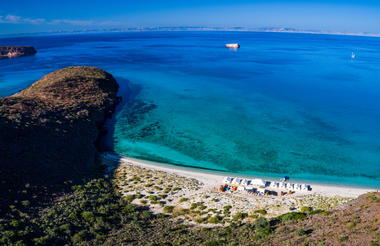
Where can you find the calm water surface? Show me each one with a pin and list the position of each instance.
(283, 104)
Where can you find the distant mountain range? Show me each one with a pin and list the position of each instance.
(201, 28)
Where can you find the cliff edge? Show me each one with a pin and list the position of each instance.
(49, 130)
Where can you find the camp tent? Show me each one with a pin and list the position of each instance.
(258, 182)
(241, 188)
(245, 182)
(237, 181)
(227, 180)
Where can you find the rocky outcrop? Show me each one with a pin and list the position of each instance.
(49, 130)
(16, 51)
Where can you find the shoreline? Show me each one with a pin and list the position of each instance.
(215, 180)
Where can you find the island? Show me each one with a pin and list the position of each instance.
(16, 51)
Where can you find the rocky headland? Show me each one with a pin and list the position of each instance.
(16, 51)
(49, 131)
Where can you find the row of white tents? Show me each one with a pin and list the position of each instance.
(245, 182)
(263, 183)
(290, 186)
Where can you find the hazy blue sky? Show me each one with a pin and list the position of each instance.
(17, 16)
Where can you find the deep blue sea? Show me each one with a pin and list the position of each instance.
(283, 104)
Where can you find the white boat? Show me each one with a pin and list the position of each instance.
(353, 55)
(235, 45)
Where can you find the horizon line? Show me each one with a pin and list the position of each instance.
(193, 28)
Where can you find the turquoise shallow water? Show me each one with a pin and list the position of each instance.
(283, 104)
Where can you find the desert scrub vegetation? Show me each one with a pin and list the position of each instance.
(89, 214)
(96, 214)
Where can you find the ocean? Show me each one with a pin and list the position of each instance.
(302, 105)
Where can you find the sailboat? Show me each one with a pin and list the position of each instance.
(353, 55)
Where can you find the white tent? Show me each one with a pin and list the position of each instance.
(274, 184)
(227, 180)
(245, 182)
(250, 187)
(258, 182)
(262, 190)
(237, 181)
(241, 188)
(305, 187)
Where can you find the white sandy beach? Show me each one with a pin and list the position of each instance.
(210, 179)
(194, 195)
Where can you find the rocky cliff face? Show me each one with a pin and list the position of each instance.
(16, 51)
(48, 131)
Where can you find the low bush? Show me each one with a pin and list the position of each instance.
(261, 223)
(306, 209)
(292, 216)
(168, 209)
(183, 199)
(239, 216)
(214, 219)
(261, 211)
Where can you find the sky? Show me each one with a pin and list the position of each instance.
(31, 16)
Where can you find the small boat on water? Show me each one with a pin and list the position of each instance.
(353, 55)
(235, 45)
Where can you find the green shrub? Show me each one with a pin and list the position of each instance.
(213, 243)
(41, 240)
(342, 239)
(183, 199)
(181, 211)
(214, 219)
(200, 220)
(79, 237)
(88, 216)
(264, 232)
(351, 224)
(129, 208)
(239, 216)
(326, 213)
(292, 216)
(317, 211)
(226, 209)
(146, 215)
(168, 209)
(152, 198)
(261, 211)
(130, 198)
(261, 223)
(25, 203)
(306, 209)
(300, 232)
(193, 205)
